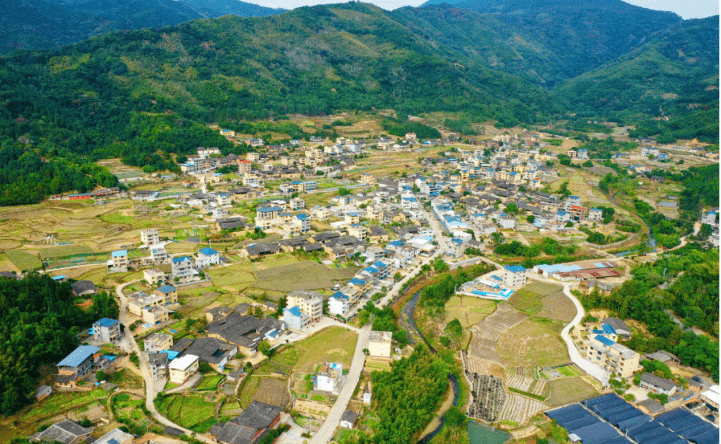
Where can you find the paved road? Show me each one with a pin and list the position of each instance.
(145, 369)
(325, 433)
(584, 364)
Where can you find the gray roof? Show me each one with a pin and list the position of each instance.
(657, 381)
(182, 344)
(65, 431)
(349, 416)
(81, 287)
(652, 406)
(236, 434)
(617, 324)
(210, 350)
(242, 429)
(242, 308)
(158, 358)
(8, 274)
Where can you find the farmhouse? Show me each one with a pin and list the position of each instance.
(250, 425)
(379, 343)
(106, 330)
(182, 368)
(656, 384)
(245, 331)
(158, 342)
(213, 351)
(66, 432)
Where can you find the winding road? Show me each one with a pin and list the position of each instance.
(130, 344)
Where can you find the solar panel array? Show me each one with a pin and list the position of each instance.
(678, 426)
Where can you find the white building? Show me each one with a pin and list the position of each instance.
(182, 368)
(379, 344)
(207, 257)
(149, 236)
(514, 276)
(328, 379)
(338, 304)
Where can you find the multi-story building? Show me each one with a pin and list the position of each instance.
(595, 215)
(338, 303)
(158, 364)
(295, 319)
(77, 364)
(149, 236)
(183, 270)
(611, 356)
(106, 330)
(329, 377)
(158, 342)
(207, 257)
(309, 302)
(182, 368)
(265, 217)
(159, 256)
(155, 314)
(514, 276)
(168, 293)
(118, 262)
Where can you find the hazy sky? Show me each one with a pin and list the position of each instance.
(685, 8)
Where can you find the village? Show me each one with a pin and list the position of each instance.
(242, 283)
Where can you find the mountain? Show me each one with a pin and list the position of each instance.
(141, 95)
(673, 77)
(579, 34)
(39, 24)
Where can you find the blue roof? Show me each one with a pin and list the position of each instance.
(339, 295)
(172, 354)
(119, 253)
(353, 213)
(359, 282)
(78, 356)
(371, 270)
(561, 213)
(396, 243)
(165, 289)
(208, 251)
(604, 340)
(573, 197)
(269, 209)
(60, 277)
(295, 311)
(515, 268)
(379, 264)
(608, 329)
(301, 216)
(180, 259)
(106, 322)
(296, 182)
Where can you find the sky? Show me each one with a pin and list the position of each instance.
(685, 8)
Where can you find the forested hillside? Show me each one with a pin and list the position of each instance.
(39, 323)
(34, 24)
(585, 35)
(141, 95)
(674, 76)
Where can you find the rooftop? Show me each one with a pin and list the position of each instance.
(78, 356)
(183, 362)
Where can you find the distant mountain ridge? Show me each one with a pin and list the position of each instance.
(43, 24)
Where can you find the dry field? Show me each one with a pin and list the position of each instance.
(272, 391)
(567, 390)
(487, 332)
(307, 275)
(533, 342)
(518, 409)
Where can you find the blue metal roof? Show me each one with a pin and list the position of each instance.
(295, 311)
(608, 329)
(515, 268)
(78, 356)
(180, 259)
(358, 282)
(165, 289)
(379, 264)
(106, 322)
(208, 251)
(604, 340)
(269, 209)
(119, 253)
(301, 216)
(339, 295)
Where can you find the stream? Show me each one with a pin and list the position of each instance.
(408, 311)
(651, 239)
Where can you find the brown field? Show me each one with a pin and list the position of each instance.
(272, 391)
(468, 310)
(557, 306)
(533, 342)
(307, 275)
(568, 390)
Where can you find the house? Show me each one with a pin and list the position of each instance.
(158, 363)
(621, 328)
(182, 368)
(213, 351)
(245, 331)
(295, 319)
(664, 356)
(656, 384)
(217, 313)
(379, 343)
(159, 255)
(118, 262)
(158, 342)
(168, 293)
(648, 151)
(155, 314)
(149, 236)
(595, 215)
(106, 330)
(265, 217)
(66, 432)
(115, 436)
(309, 302)
(83, 288)
(153, 276)
(338, 303)
(76, 365)
(611, 356)
(507, 223)
(514, 276)
(328, 378)
(182, 268)
(207, 257)
(348, 419)
(249, 426)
